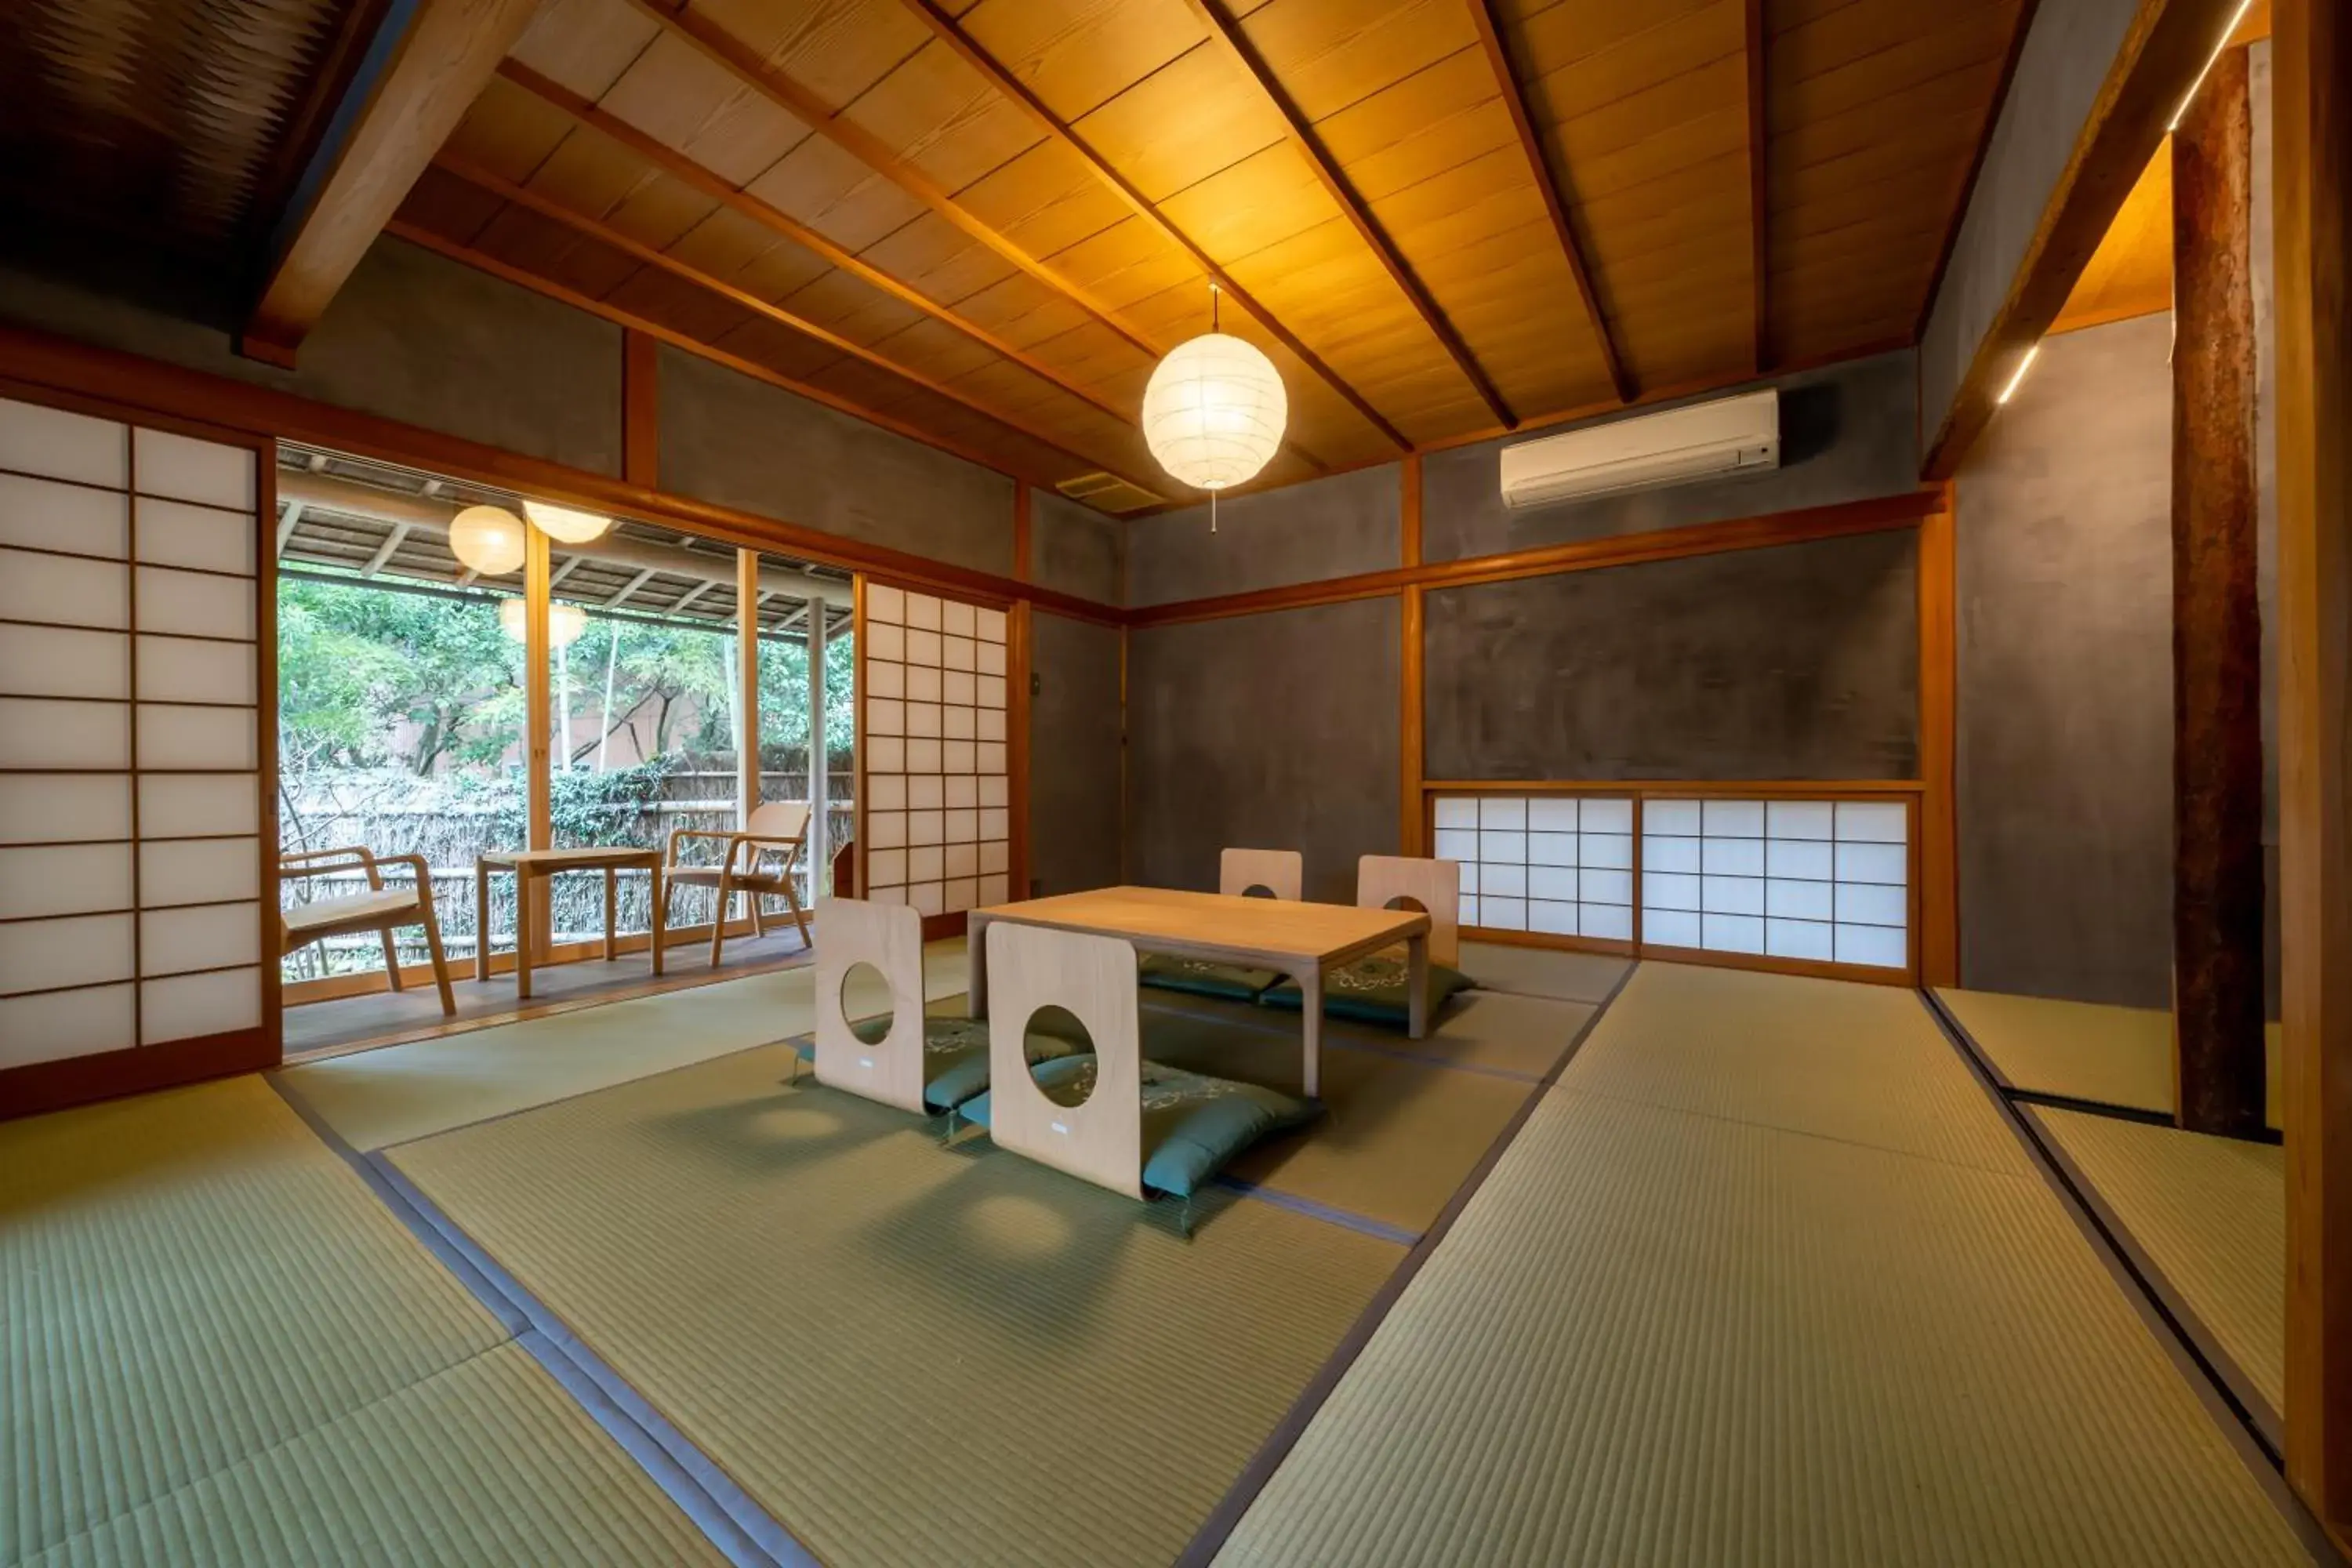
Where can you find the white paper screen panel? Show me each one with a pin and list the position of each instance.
(1558, 865)
(938, 791)
(1815, 880)
(131, 897)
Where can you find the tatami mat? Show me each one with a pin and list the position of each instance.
(373, 1098)
(1836, 1059)
(2210, 1214)
(1542, 970)
(907, 1353)
(198, 1295)
(2080, 1050)
(1664, 1333)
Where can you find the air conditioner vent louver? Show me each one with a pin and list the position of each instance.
(1108, 492)
(1705, 440)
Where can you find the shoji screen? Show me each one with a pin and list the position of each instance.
(1821, 881)
(131, 808)
(938, 832)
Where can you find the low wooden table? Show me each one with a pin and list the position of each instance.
(1301, 940)
(540, 864)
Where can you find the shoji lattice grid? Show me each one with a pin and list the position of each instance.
(1787, 879)
(1561, 865)
(130, 809)
(938, 832)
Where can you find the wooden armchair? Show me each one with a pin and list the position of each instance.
(779, 829)
(380, 909)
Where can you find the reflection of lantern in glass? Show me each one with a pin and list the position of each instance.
(560, 523)
(488, 539)
(564, 622)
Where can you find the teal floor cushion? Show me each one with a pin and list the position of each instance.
(955, 1055)
(1199, 977)
(1372, 990)
(1192, 1124)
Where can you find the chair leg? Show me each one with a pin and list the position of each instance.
(440, 960)
(759, 921)
(391, 958)
(800, 916)
(719, 915)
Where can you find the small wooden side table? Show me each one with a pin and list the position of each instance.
(538, 865)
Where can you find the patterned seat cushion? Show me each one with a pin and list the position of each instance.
(1199, 977)
(1373, 990)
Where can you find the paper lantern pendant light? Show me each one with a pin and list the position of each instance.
(488, 539)
(563, 525)
(1215, 410)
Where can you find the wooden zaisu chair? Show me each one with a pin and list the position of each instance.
(779, 829)
(381, 910)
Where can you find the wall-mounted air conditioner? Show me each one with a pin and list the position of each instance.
(1703, 441)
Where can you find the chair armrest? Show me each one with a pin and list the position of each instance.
(679, 834)
(304, 863)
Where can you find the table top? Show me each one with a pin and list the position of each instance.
(1214, 924)
(586, 857)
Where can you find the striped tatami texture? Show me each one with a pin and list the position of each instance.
(217, 1346)
(1765, 1280)
(2083, 1050)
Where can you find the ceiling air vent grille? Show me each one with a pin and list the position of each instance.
(1107, 493)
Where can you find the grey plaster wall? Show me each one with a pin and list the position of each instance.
(1329, 527)
(1848, 432)
(728, 438)
(2069, 48)
(413, 337)
(1076, 550)
(2065, 677)
(1800, 661)
(1076, 735)
(1278, 730)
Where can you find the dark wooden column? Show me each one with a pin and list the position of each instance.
(2217, 635)
(2311, 133)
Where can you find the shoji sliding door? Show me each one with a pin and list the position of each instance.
(931, 746)
(132, 821)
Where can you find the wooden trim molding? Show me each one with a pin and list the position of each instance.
(640, 409)
(1801, 525)
(37, 1086)
(1019, 657)
(1023, 522)
(1411, 740)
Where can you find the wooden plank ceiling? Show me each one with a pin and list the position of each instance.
(985, 221)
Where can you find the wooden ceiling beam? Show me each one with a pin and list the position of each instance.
(1531, 147)
(1757, 133)
(636, 250)
(951, 32)
(412, 88)
(1227, 36)
(734, 57)
(680, 167)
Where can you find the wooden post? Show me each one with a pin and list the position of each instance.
(1411, 747)
(640, 409)
(1938, 946)
(2311, 136)
(2217, 633)
(747, 681)
(820, 785)
(539, 723)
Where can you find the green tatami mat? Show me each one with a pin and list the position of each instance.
(2080, 1050)
(2211, 1214)
(1542, 970)
(373, 1098)
(1659, 1338)
(905, 1352)
(1832, 1058)
(193, 1292)
(489, 1462)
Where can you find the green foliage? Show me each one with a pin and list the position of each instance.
(354, 660)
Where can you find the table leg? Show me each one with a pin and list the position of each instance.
(1416, 979)
(481, 919)
(522, 933)
(612, 912)
(1310, 1022)
(661, 914)
(975, 941)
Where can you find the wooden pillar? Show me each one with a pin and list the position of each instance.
(747, 681)
(2217, 632)
(1411, 747)
(820, 844)
(2312, 138)
(1939, 944)
(539, 723)
(640, 409)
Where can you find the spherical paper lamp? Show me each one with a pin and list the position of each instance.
(564, 622)
(1213, 412)
(560, 523)
(488, 539)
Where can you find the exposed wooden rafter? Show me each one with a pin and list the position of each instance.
(636, 250)
(1760, 255)
(1506, 79)
(950, 32)
(414, 85)
(730, 53)
(679, 166)
(1226, 35)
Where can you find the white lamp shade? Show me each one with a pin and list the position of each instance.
(564, 622)
(488, 539)
(560, 523)
(1215, 411)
